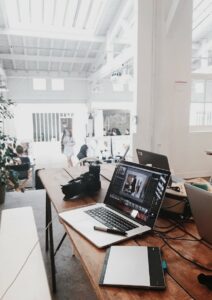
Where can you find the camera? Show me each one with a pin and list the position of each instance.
(87, 183)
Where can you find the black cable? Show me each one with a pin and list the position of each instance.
(171, 206)
(105, 177)
(205, 243)
(187, 259)
(169, 230)
(180, 238)
(165, 227)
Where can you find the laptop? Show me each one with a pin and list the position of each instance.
(153, 159)
(201, 207)
(131, 205)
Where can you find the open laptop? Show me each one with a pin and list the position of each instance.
(132, 204)
(153, 159)
(201, 207)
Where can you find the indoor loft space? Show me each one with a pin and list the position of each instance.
(117, 88)
(61, 60)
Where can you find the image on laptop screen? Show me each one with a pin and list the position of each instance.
(137, 191)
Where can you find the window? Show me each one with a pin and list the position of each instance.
(39, 84)
(49, 126)
(201, 103)
(116, 122)
(201, 89)
(57, 84)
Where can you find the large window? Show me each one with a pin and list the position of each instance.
(49, 126)
(201, 103)
(201, 92)
(116, 122)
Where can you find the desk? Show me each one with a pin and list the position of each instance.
(181, 279)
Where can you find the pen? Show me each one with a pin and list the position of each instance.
(109, 230)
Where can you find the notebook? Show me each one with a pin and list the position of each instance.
(133, 266)
(132, 204)
(154, 159)
(201, 208)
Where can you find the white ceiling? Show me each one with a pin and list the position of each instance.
(64, 38)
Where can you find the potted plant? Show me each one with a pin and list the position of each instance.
(6, 153)
(7, 176)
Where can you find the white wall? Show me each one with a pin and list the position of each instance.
(21, 90)
(106, 94)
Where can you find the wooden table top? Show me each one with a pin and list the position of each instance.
(181, 278)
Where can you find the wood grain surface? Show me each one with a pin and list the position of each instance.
(181, 278)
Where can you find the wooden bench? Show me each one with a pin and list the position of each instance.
(18, 236)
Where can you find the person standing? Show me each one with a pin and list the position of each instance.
(67, 144)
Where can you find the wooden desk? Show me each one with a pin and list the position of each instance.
(181, 279)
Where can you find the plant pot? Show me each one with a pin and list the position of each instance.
(2, 193)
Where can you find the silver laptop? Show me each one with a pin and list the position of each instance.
(201, 208)
(131, 205)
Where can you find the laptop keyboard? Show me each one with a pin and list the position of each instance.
(110, 219)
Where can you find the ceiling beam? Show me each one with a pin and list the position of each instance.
(117, 24)
(76, 60)
(74, 35)
(43, 74)
(115, 64)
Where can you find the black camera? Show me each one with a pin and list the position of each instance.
(87, 183)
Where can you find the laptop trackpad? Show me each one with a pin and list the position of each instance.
(86, 228)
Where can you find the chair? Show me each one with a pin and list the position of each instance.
(22, 172)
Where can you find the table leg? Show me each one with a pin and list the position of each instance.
(51, 243)
(47, 222)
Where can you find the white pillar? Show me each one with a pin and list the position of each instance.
(144, 73)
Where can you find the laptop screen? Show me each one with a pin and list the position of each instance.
(137, 191)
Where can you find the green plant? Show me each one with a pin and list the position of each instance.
(7, 144)
(7, 176)
(5, 105)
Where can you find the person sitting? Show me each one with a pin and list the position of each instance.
(22, 167)
(83, 152)
(116, 131)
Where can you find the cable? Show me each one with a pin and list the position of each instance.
(185, 258)
(165, 227)
(166, 231)
(105, 177)
(171, 206)
(180, 238)
(25, 261)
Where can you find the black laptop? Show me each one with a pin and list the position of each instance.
(155, 160)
